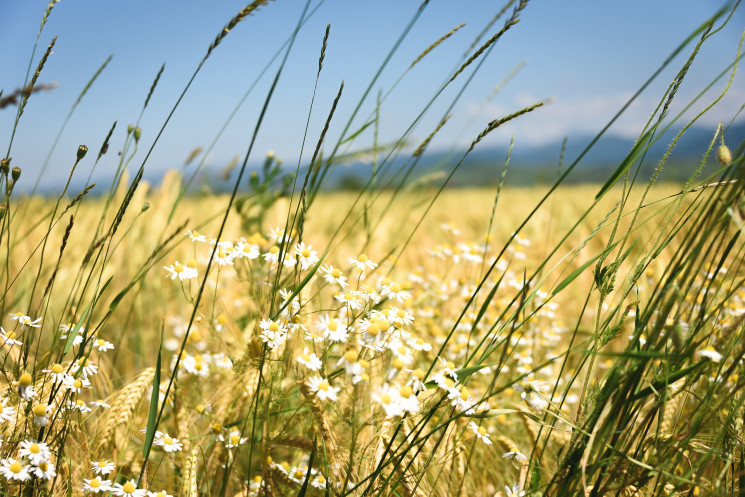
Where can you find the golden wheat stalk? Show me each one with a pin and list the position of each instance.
(124, 405)
(331, 442)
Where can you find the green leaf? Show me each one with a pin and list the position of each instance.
(356, 133)
(464, 373)
(152, 415)
(304, 488)
(74, 332)
(579, 271)
(535, 478)
(624, 166)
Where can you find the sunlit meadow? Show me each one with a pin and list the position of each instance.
(402, 339)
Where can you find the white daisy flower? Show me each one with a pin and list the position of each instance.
(96, 485)
(44, 470)
(169, 444)
(310, 360)
(14, 470)
(8, 413)
(25, 320)
(35, 452)
(9, 338)
(234, 439)
(480, 432)
(710, 353)
(323, 390)
(334, 276)
(306, 256)
(362, 262)
(102, 467)
(128, 489)
(195, 236)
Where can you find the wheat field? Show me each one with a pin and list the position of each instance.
(397, 339)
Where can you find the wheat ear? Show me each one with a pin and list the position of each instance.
(123, 407)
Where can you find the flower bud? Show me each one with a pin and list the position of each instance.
(82, 150)
(145, 206)
(15, 173)
(5, 166)
(724, 156)
(130, 129)
(137, 133)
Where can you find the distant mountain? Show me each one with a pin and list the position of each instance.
(539, 164)
(528, 164)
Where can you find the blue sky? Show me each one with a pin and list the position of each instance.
(587, 56)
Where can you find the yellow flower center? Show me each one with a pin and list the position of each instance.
(40, 410)
(333, 325)
(419, 373)
(305, 357)
(395, 288)
(11, 335)
(482, 431)
(101, 464)
(350, 355)
(324, 385)
(128, 488)
(25, 380)
(373, 329)
(34, 448)
(168, 441)
(306, 253)
(95, 483)
(178, 268)
(57, 369)
(336, 273)
(385, 398)
(406, 392)
(216, 428)
(77, 384)
(274, 327)
(16, 467)
(43, 466)
(235, 438)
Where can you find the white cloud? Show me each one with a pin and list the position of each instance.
(587, 114)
